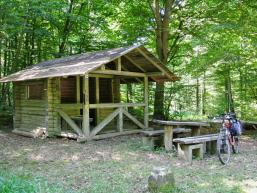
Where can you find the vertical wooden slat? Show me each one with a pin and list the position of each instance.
(119, 64)
(97, 94)
(78, 88)
(146, 113)
(168, 137)
(86, 125)
(120, 120)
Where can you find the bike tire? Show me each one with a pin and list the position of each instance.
(236, 146)
(223, 149)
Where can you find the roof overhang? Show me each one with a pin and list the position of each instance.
(134, 58)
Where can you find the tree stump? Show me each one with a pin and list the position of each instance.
(161, 180)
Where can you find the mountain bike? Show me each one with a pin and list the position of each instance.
(225, 143)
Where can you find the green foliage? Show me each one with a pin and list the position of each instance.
(23, 183)
(209, 41)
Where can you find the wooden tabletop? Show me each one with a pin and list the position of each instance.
(182, 123)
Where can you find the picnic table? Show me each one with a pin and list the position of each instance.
(169, 125)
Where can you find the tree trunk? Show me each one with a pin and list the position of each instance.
(158, 101)
(204, 94)
(228, 91)
(197, 96)
(162, 19)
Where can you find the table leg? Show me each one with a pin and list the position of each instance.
(195, 131)
(168, 137)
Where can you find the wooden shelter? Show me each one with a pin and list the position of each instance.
(82, 92)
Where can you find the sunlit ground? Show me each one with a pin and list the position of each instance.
(120, 164)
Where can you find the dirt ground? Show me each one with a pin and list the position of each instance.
(122, 164)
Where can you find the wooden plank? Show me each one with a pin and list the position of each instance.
(155, 64)
(115, 105)
(86, 121)
(155, 74)
(110, 135)
(168, 136)
(78, 88)
(196, 139)
(161, 132)
(133, 119)
(134, 63)
(119, 64)
(182, 123)
(120, 121)
(97, 94)
(146, 113)
(107, 120)
(70, 106)
(70, 122)
(100, 75)
(120, 73)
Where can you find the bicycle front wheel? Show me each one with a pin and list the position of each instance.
(223, 149)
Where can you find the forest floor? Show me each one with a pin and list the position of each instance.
(116, 165)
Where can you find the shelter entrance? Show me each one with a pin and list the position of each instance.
(71, 92)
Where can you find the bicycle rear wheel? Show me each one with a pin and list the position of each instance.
(223, 148)
(235, 147)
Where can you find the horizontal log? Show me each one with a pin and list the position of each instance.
(181, 123)
(120, 73)
(115, 105)
(196, 139)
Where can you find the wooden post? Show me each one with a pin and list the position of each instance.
(97, 94)
(196, 131)
(78, 88)
(78, 91)
(120, 120)
(146, 114)
(86, 125)
(119, 64)
(168, 137)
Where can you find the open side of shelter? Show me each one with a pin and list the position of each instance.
(81, 93)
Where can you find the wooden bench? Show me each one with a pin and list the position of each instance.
(153, 137)
(197, 144)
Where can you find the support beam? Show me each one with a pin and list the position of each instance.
(120, 73)
(146, 113)
(115, 105)
(97, 96)
(86, 121)
(103, 67)
(107, 120)
(119, 64)
(155, 74)
(78, 88)
(71, 123)
(120, 120)
(156, 65)
(134, 63)
(133, 119)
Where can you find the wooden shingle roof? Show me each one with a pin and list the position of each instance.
(85, 63)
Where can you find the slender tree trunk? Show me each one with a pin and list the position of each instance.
(197, 96)
(66, 30)
(228, 91)
(162, 19)
(204, 95)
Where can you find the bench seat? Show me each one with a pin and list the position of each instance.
(197, 139)
(161, 132)
(189, 145)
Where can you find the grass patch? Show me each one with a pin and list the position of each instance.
(23, 183)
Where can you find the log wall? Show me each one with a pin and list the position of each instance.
(29, 114)
(53, 98)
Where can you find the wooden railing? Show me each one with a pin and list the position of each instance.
(100, 105)
(120, 112)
